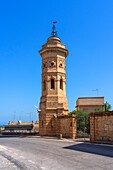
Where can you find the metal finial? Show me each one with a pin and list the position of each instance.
(54, 32)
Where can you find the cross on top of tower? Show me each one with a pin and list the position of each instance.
(54, 32)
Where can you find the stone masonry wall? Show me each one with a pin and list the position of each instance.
(101, 126)
(67, 126)
(51, 126)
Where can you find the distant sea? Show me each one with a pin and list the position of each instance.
(1, 125)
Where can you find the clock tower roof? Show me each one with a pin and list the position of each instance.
(54, 43)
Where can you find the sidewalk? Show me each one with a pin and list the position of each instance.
(61, 139)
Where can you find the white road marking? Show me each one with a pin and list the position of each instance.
(31, 161)
(3, 147)
(43, 168)
(21, 156)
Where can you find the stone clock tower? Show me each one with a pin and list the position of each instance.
(53, 102)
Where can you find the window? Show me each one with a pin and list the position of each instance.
(44, 65)
(44, 85)
(61, 84)
(52, 83)
(71, 124)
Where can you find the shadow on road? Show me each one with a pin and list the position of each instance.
(97, 149)
(18, 135)
(9, 136)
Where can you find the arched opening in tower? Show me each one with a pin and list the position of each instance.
(61, 84)
(52, 83)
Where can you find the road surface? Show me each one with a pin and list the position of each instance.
(17, 153)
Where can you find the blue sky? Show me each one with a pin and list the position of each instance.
(85, 26)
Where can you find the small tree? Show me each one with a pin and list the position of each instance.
(83, 123)
(107, 106)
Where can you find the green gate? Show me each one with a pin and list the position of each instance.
(83, 126)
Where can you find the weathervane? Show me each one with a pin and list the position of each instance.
(54, 32)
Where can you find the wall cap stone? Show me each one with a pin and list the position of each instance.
(67, 116)
(109, 113)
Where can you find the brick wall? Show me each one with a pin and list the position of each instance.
(101, 126)
(51, 126)
(67, 126)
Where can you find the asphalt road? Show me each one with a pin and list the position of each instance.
(18, 153)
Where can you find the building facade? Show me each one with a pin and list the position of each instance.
(90, 104)
(21, 127)
(53, 102)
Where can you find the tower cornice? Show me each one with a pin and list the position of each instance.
(53, 49)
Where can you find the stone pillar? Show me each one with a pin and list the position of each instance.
(92, 127)
(73, 127)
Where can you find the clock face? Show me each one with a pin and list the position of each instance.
(61, 64)
(52, 63)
